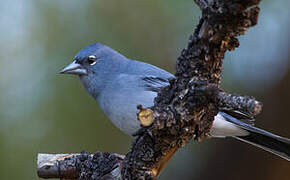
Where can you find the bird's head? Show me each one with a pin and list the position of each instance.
(95, 64)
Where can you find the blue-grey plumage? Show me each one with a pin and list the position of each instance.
(119, 84)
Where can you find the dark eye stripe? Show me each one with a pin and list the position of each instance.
(78, 61)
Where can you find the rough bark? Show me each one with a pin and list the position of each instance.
(185, 109)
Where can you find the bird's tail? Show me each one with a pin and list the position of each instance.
(260, 138)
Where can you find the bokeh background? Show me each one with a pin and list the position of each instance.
(42, 111)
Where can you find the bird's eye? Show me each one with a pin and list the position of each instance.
(92, 60)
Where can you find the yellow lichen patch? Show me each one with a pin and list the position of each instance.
(146, 117)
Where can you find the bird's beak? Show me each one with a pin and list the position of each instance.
(74, 68)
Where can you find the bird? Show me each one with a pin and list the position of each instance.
(119, 85)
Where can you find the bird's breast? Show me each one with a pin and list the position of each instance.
(121, 107)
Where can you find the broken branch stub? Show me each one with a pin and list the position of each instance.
(145, 116)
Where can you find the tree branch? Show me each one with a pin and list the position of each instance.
(79, 166)
(183, 110)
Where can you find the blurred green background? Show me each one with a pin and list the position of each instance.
(41, 111)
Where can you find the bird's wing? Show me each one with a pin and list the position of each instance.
(153, 83)
(150, 77)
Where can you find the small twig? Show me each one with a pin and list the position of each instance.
(245, 104)
(57, 166)
(79, 166)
